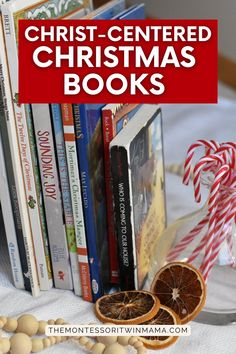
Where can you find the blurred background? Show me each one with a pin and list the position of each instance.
(224, 11)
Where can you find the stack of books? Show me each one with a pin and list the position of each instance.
(82, 185)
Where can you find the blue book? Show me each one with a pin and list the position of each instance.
(109, 10)
(135, 12)
(88, 127)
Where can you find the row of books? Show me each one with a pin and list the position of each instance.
(82, 198)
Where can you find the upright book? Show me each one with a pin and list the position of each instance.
(66, 195)
(114, 118)
(88, 125)
(138, 186)
(17, 189)
(75, 188)
(52, 197)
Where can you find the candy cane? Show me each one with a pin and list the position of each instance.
(220, 222)
(197, 173)
(210, 259)
(208, 144)
(180, 247)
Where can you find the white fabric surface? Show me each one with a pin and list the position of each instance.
(183, 124)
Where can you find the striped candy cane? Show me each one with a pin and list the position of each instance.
(209, 145)
(220, 161)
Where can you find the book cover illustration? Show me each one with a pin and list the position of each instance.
(90, 154)
(114, 118)
(148, 195)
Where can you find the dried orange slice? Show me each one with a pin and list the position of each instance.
(181, 287)
(127, 307)
(165, 316)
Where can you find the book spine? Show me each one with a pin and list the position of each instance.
(8, 215)
(122, 207)
(25, 150)
(21, 217)
(66, 196)
(82, 145)
(52, 197)
(75, 188)
(39, 192)
(112, 239)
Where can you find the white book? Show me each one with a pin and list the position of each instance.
(52, 197)
(25, 148)
(9, 224)
(18, 174)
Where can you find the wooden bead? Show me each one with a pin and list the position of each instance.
(1, 324)
(138, 344)
(123, 340)
(10, 325)
(46, 343)
(37, 345)
(142, 351)
(60, 321)
(51, 322)
(58, 339)
(98, 348)
(133, 340)
(20, 344)
(83, 340)
(5, 345)
(52, 340)
(89, 345)
(3, 319)
(115, 348)
(107, 340)
(42, 327)
(27, 324)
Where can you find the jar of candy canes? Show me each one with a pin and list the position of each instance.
(206, 239)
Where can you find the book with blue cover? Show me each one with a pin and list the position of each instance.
(88, 126)
(135, 12)
(107, 11)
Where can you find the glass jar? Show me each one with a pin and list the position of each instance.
(178, 244)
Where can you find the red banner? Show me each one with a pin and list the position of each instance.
(147, 61)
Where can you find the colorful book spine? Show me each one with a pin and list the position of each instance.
(66, 196)
(114, 118)
(75, 188)
(25, 151)
(90, 153)
(6, 203)
(21, 217)
(39, 192)
(52, 197)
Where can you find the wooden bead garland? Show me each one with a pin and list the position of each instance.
(28, 326)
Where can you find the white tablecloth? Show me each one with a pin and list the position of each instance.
(182, 125)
